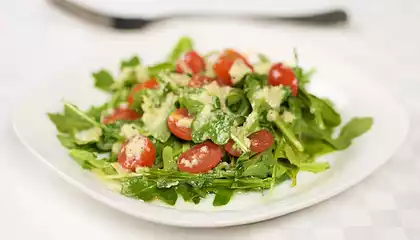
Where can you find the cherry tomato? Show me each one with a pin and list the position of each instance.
(224, 63)
(231, 150)
(200, 158)
(121, 114)
(179, 123)
(281, 74)
(193, 61)
(149, 84)
(260, 141)
(137, 152)
(199, 81)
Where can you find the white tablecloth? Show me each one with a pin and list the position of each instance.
(382, 41)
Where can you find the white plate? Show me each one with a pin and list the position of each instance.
(343, 85)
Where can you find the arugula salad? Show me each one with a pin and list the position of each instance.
(200, 124)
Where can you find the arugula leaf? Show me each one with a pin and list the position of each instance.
(160, 67)
(72, 119)
(87, 159)
(184, 44)
(259, 165)
(103, 80)
(155, 118)
(302, 76)
(188, 193)
(134, 61)
(193, 106)
(222, 197)
(354, 128)
(67, 140)
(212, 125)
(167, 195)
(263, 58)
(139, 188)
(169, 162)
(237, 103)
(314, 167)
(330, 116)
(274, 117)
(96, 112)
(317, 147)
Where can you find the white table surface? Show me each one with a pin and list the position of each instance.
(382, 41)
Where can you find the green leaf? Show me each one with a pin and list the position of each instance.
(274, 117)
(167, 195)
(193, 106)
(188, 193)
(259, 165)
(331, 117)
(96, 112)
(237, 103)
(263, 58)
(155, 118)
(354, 128)
(280, 170)
(139, 188)
(160, 67)
(277, 174)
(184, 45)
(222, 197)
(212, 125)
(258, 169)
(169, 162)
(72, 119)
(314, 167)
(318, 147)
(85, 158)
(295, 157)
(134, 61)
(103, 80)
(67, 140)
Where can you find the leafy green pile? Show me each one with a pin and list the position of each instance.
(302, 127)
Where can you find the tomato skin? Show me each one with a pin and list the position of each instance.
(121, 114)
(205, 159)
(223, 64)
(193, 61)
(281, 74)
(232, 151)
(144, 158)
(199, 81)
(173, 125)
(149, 84)
(261, 141)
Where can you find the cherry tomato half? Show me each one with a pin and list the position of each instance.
(200, 158)
(179, 123)
(138, 151)
(231, 150)
(260, 141)
(224, 63)
(281, 74)
(149, 84)
(199, 81)
(193, 61)
(121, 114)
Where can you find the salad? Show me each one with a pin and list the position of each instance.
(200, 124)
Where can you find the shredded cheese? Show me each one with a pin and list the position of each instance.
(135, 147)
(238, 70)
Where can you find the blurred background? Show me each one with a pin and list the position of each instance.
(41, 37)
